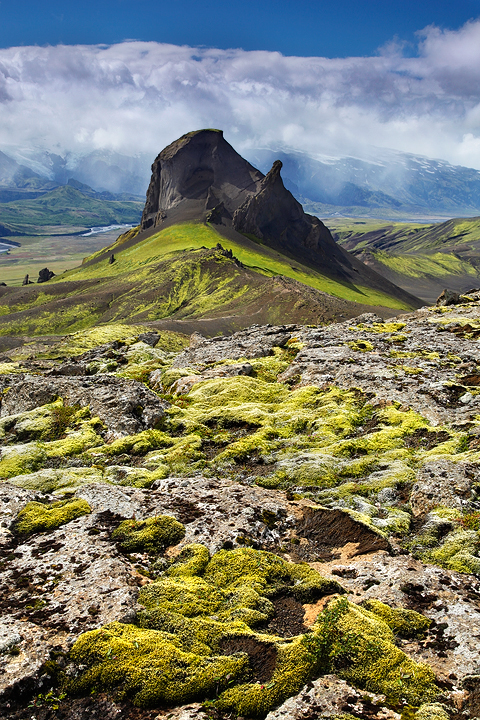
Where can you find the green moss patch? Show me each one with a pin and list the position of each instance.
(151, 535)
(37, 517)
(203, 635)
(405, 623)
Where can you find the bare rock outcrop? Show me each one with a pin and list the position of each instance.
(273, 215)
(124, 406)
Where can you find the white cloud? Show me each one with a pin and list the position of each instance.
(136, 97)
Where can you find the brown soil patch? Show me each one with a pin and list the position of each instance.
(288, 620)
(311, 612)
(327, 535)
(262, 655)
(470, 380)
(426, 439)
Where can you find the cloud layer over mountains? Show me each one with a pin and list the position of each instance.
(135, 97)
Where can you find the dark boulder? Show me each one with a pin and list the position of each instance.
(45, 275)
(448, 297)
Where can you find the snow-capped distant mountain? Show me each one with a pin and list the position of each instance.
(387, 180)
(385, 183)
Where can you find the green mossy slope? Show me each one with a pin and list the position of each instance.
(174, 274)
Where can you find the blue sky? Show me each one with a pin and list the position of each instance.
(329, 28)
(330, 78)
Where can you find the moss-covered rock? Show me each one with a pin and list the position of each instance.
(21, 459)
(38, 517)
(405, 623)
(55, 481)
(459, 551)
(151, 535)
(432, 711)
(139, 444)
(150, 666)
(360, 647)
(202, 635)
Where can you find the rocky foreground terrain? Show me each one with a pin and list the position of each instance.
(282, 523)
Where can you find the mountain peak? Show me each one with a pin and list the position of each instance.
(201, 178)
(196, 173)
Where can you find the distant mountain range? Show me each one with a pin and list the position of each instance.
(103, 174)
(422, 259)
(386, 184)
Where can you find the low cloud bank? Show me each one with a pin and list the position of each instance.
(135, 97)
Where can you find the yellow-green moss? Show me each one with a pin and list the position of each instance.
(234, 567)
(191, 561)
(380, 328)
(21, 459)
(189, 642)
(76, 441)
(151, 535)
(55, 481)
(61, 430)
(360, 345)
(432, 711)
(36, 424)
(79, 342)
(193, 613)
(150, 666)
(269, 368)
(405, 623)
(459, 551)
(37, 517)
(139, 444)
(375, 663)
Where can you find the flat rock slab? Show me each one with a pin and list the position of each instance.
(330, 697)
(257, 341)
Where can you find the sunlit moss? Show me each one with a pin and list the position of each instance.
(405, 623)
(151, 535)
(38, 517)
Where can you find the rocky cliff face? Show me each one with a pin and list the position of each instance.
(200, 171)
(202, 174)
(274, 216)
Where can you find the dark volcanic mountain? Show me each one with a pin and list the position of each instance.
(220, 246)
(201, 177)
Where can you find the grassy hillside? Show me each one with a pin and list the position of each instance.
(179, 274)
(66, 206)
(407, 237)
(422, 259)
(191, 236)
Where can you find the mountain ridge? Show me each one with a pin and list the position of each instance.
(380, 183)
(188, 182)
(175, 269)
